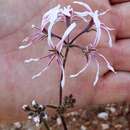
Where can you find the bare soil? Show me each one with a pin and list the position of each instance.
(107, 117)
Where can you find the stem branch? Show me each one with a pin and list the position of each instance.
(46, 125)
(84, 31)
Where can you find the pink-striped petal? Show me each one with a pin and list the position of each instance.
(59, 46)
(25, 46)
(63, 78)
(83, 69)
(31, 60)
(40, 73)
(109, 35)
(84, 5)
(107, 29)
(82, 15)
(107, 62)
(97, 74)
(103, 13)
(50, 42)
(98, 27)
(44, 69)
(60, 63)
(50, 16)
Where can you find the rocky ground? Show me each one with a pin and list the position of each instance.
(108, 117)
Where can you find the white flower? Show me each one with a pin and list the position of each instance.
(92, 54)
(55, 53)
(35, 36)
(98, 24)
(50, 17)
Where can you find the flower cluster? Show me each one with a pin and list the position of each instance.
(36, 112)
(92, 54)
(68, 16)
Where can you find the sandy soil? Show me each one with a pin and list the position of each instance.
(107, 117)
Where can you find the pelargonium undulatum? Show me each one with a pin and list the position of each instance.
(68, 15)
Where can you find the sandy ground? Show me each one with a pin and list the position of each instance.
(108, 117)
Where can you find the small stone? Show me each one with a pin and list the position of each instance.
(103, 115)
(59, 122)
(95, 122)
(83, 127)
(74, 119)
(30, 117)
(74, 113)
(112, 109)
(105, 126)
(17, 125)
(118, 126)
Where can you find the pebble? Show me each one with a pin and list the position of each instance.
(83, 127)
(112, 109)
(74, 119)
(58, 120)
(74, 113)
(17, 125)
(105, 126)
(118, 126)
(103, 115)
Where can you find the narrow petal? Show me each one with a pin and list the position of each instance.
(60, 63)
(44, 69)
(107, 62)
(97, 74)
(109, 35)
(32, 38)
(25, 46)
(37, 59)
(83, 4)
(50, 43)
(50, 16)
(82, 15)
(40, 73)
(31, 60)
(83, 69)
(98, 27)
(63, 79)
(68, 31)
(110, 29)
(103, 13)
(26, 39)
(65, 35)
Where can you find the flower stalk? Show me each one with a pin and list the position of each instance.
(59, 51)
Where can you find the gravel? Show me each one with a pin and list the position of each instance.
(106, 117)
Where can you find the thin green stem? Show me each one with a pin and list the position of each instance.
(84, 31)
(52, 106)
(46, 125)
(63, 122)
(68, 22)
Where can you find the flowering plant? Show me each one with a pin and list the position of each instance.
(59, 51)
